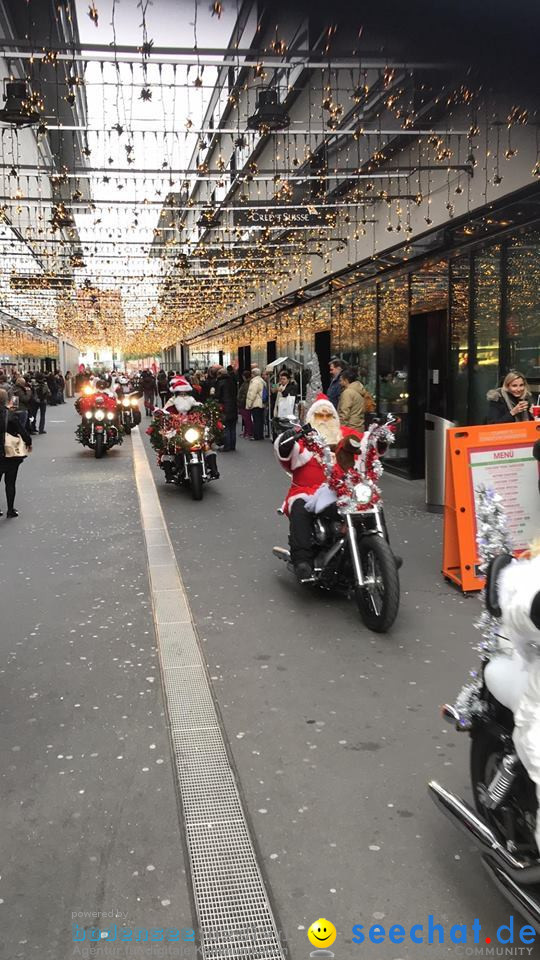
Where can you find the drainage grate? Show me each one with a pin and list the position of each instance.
(234, 914)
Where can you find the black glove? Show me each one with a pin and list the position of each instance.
(287, 441)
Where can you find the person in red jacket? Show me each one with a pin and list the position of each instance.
(303, 455)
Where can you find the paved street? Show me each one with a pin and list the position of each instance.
(333, 732)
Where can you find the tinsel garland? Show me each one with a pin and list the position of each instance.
(82, 433)
(167, 430)
(367, 469)
(492, 539)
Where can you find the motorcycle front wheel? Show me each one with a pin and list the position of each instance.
(196, 480)
(378, 598)
(99, 448)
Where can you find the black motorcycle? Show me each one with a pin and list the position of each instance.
(503, 822)
(188, 460)
(128, 409)
(352, 553)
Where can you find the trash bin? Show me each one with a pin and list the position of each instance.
(435, 428)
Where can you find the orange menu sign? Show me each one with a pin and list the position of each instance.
(497, 456)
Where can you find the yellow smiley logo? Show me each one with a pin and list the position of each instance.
(322, 933)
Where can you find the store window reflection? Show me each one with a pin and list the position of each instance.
(484, 370)
(523, 305)
(393, 378)
(359, 320)
(460, 276)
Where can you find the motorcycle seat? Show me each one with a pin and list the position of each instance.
(506, 678)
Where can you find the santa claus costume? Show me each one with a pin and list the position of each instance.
(181, 401)
(303, 456)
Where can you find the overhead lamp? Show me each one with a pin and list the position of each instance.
(269, 114)
(19, 108)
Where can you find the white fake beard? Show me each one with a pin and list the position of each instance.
(328, 429)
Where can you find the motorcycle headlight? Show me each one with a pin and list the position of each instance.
(362, 493)
(99, 414)
(134, 402)
(110, 416)
(192, 435)
(125, 403)
(88, 414)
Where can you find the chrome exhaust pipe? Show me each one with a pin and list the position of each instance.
(527, 905)
(281, 553)
(463, 816)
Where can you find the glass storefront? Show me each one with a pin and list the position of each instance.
(522, 320)
(393, 360)
(434, 338)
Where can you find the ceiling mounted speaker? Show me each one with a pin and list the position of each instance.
(270, 114)
(19, 108)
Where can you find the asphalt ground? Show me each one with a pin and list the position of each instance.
(89, 819)
(333, 731)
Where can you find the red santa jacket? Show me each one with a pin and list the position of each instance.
(306, 469)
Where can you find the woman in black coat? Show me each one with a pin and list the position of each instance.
(9, 466)
(511, 402)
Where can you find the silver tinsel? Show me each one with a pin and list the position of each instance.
(492, 539)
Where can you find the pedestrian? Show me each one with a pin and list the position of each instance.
(43, 394)
(53, 389)
(247, 422)
(351, 406)
(60, 387)
(336, 366)
(149, 389)
(287, 387)
(208, 386)
(163, 387)
(23, 393)
(12, 452)
(511, 402)
(255, 403)
(226, 396)
(68, 382)
(5, 384)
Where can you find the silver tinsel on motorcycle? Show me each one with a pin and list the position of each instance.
(492, 539)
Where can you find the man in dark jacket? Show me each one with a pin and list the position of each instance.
(227, 396)
(334, 390)
(42, 396)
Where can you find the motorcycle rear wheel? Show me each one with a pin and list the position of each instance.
(99, 448)
(196, 480)
(378, 599)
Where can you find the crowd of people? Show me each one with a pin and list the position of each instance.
(24, 398)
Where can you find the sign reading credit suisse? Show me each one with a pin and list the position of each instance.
(263, 216)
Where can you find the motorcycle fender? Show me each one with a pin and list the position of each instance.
(99, 429)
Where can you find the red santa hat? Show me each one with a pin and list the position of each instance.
(321, 402)
(180, 385)
(353, 436)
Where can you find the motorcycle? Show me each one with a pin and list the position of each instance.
(128, 409)
(99, 428)
(185, 455)
(504, 823)
(350, 539)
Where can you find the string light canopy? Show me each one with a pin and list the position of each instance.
(162, 190)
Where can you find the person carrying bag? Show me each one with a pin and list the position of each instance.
(15, 445)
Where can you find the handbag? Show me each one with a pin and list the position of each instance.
(14, 446)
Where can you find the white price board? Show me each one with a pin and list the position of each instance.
(513, 473)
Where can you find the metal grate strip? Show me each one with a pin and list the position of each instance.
(234, 914)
